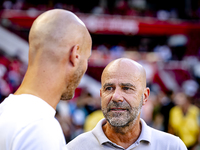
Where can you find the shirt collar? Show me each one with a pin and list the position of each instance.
(98, 132)
(145, 135)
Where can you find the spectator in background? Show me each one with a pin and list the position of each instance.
(92, 119)
(59, 49)
(65, 123)
(123, 94)
(84, 114)
(183, 120)
(157, 117)
(147, 109)
(167, 104)
(5, 89)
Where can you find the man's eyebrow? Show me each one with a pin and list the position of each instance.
(128, 84)
(107, 84)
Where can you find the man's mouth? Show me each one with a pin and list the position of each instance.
(117, 109)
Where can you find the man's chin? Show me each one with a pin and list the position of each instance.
(67, 97)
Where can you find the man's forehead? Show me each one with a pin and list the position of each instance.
(120, 74)
(119, 79)
(120, 84)
(123, 71)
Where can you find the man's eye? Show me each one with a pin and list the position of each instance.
(108, 88)
(126, 88)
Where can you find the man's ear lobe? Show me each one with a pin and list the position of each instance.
(74, 55)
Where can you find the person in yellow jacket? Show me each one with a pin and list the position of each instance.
(92, 120)
(184, 120)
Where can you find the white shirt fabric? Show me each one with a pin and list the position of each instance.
(149, 139)
(28, 123)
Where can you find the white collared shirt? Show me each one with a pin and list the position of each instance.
(27, 122)
(149, 139)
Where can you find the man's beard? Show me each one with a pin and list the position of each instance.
(123, 118)
(72, 84)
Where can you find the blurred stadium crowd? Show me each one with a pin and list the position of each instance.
(188, 9)
(172, 75)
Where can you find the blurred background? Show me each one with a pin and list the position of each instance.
(163, 36)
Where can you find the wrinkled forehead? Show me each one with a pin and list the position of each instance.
(122, 72)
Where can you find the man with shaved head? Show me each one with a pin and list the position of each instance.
(123, 93)
(59, 49)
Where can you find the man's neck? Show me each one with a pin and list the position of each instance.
(42, 85)
(123, 136)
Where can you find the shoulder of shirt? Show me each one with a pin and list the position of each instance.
(42, 128)
(82, 141)
(47, 135)
(166, 139)
(159, 138)
(160, 134)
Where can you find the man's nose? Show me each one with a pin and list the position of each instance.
(117, 96)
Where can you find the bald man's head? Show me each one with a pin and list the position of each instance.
(54, 33)
(59, 49)
(125, 67)
(123, 92)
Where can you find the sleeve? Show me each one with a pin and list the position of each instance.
(41, 135)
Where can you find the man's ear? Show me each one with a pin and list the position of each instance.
(146, 95)
(74, 55)
(100, 93)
